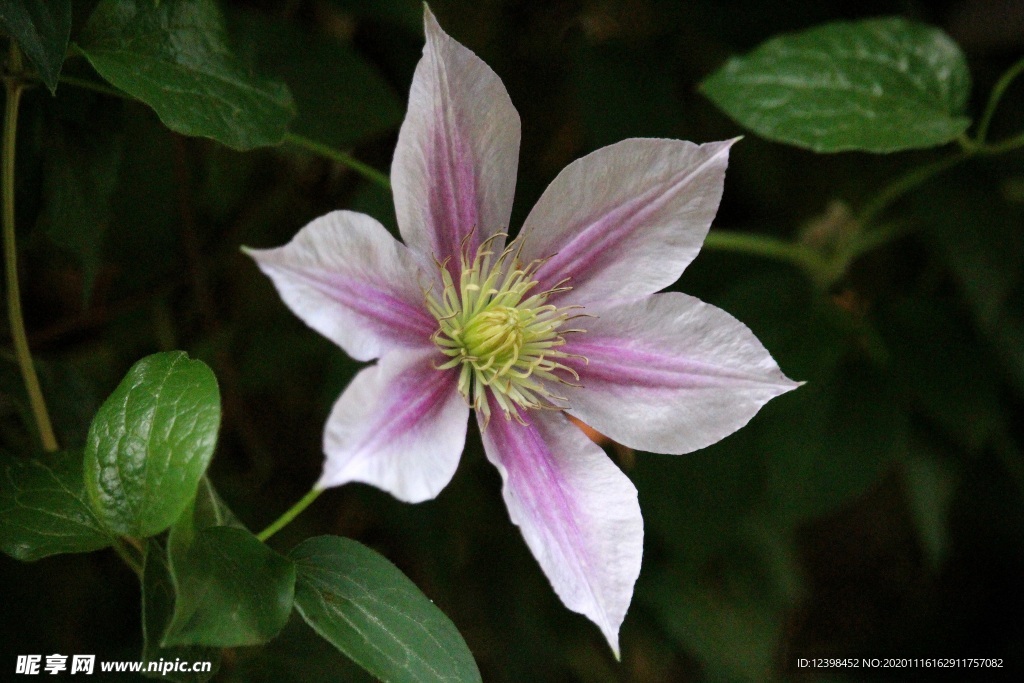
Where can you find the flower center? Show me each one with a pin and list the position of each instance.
(504, 337)
(495, 334)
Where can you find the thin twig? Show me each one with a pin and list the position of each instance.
(993, 100)
(365, 170)
(14, 87)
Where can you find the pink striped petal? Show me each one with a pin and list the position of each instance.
(454, 171)
(400, 426)
(670, 374)
(578, 512)
(626, 220)
(349, 280)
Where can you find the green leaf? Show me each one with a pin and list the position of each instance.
(938, 362)
(297, 655)
(341, 99)
(151, 442)
(848, 415)
(851, 420)
(205, 511)
(729, 610)
(174, 57)
(879, 85)
(733, 625)
(368, 609)
(208, 509)
(978, 236)
(232, 590)
(929, 488)
(81, 176)
(44, 509)
(157, 607)
(146, 195)
(694, 505)
(42, 30)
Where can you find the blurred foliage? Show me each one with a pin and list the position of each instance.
(41, 30)
(875, 512)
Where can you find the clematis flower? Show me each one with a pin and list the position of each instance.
(565, 320)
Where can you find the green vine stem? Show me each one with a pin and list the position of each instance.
(907, 182)
(825, 270)
(128, 556)
(769, 247)
(292, 512)
(14, 86)
(993, 100)
(365, 170)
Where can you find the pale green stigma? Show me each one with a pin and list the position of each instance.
(503, 337)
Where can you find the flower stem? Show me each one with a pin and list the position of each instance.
(289, 515)
(365, 170)
(14, 87)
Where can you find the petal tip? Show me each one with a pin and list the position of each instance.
(791, 384)
(722, 147)
(611, 635)
(431, 27)
(251, 252)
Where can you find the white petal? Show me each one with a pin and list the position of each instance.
(670, 374)
(578, 512)
(400, 426)
(349, 280)
(626, 220)
(454, 171)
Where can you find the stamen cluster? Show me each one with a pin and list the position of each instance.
(505, 338)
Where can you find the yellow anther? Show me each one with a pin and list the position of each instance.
(504, 335)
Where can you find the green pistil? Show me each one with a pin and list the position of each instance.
(504, 338)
